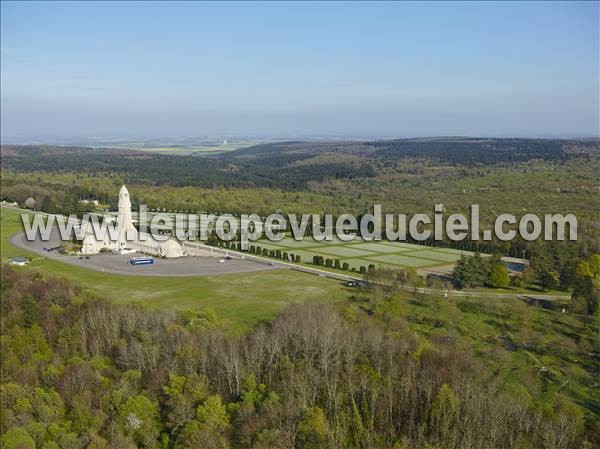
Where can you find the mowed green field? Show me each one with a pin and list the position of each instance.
(238, 299)
(359, 253)
(189, 150)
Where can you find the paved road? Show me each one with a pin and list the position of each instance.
(273, 262)
(188, 266)
(483, 294)
(241, 262)
(118, 264)
(345, 277)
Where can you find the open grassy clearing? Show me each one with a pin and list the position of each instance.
(403, 261)
(344, 251)
(290, 243)
(189, 150)
(238, 299)
(539, 350)
(436, 255)
(380, 247)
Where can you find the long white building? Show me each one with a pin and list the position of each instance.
(129, 237)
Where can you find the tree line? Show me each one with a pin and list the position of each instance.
(80, 372)
(581, 276)
(157, 169)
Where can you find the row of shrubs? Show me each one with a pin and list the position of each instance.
(291, 257)
(260, 251)
(338, 265)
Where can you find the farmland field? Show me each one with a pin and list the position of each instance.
(199, 149)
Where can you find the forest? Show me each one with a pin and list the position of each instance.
(386, 368)
(220, 229)
(292, 165)
(157, 169)
(81, 372)
(514, 176)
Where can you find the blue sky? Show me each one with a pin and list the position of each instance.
(299, 69)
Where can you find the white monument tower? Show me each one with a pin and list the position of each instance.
(128, 231)
(129, 238)
(125, 207)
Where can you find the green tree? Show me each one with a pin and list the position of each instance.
(209, 428)
(544, 267)
(213, 414)
(498, 277)
(594, 262)
(358, 429)
(312, 430)
(17, 438)
(583, 269)
(470, 271)
(444, 410)
(196, 435)
(139, 417)
(31, 313)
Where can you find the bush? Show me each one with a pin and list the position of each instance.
(578, 305)
(498, 277)
(517, 281)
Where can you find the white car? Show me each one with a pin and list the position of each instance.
(19, 261)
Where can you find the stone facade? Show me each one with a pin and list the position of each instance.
(129, 238)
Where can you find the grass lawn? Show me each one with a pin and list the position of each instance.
(359, 253)
(344, 251)
(380, 247)
(238, 299)
(403, 261)
(436, 255)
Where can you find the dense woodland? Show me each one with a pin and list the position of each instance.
(157, 169)
(80, 372)
(515, 176)
(455, 151)
(291, 165)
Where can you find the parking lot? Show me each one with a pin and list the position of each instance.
(119, 264)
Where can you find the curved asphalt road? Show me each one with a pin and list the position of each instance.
(119, 264)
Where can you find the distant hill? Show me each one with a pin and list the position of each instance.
(451, 150)
(290, 165)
